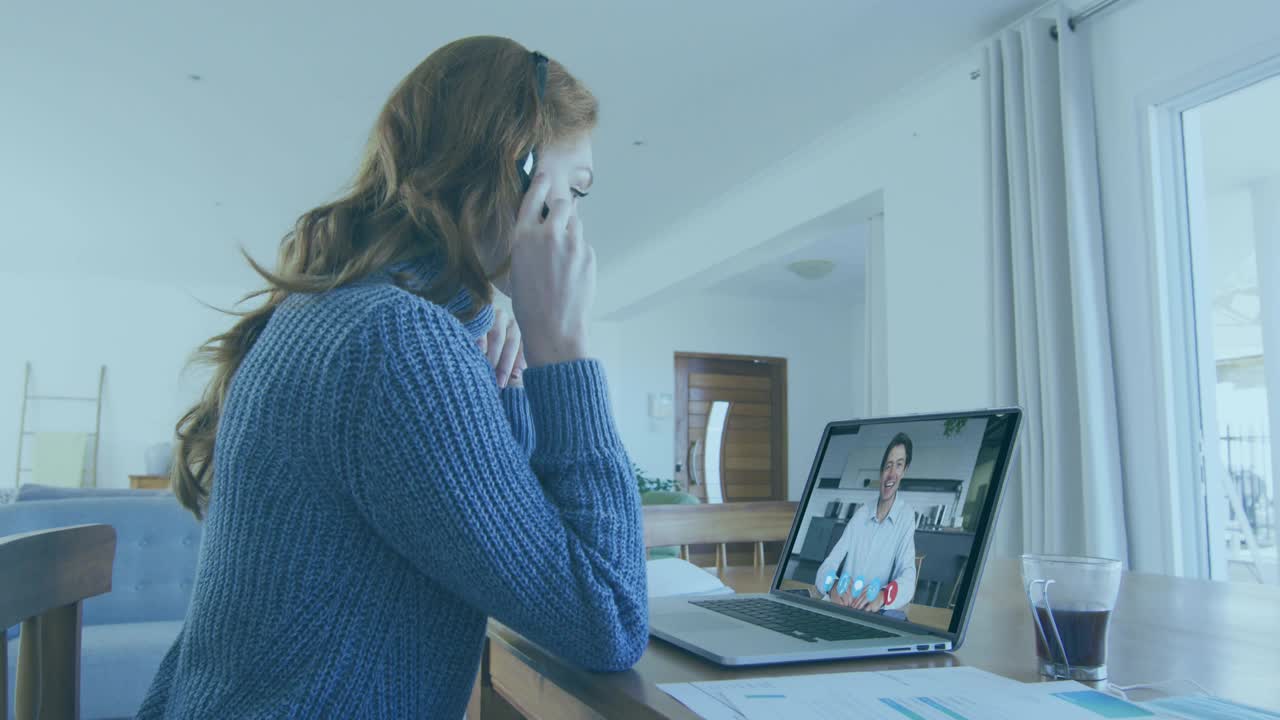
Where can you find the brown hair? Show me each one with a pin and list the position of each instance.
(439, 176)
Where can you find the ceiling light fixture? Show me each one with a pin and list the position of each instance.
(811, 269)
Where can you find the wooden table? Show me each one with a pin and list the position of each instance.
(1224, 636)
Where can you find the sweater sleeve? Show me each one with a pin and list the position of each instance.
(550, 545)
(515, 402)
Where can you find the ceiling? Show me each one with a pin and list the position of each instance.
(844, 287)
(117, 161)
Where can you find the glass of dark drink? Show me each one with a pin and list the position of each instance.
(1071, 603)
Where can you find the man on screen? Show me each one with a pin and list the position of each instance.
(879, 546)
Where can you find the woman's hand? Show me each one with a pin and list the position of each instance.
(844, 599)
(503, 350)
(553, 278)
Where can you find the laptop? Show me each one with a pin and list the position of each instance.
(885, 552)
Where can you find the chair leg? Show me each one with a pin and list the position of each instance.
(722, 557)
(48, 682)
(30, 669)
(757, 558)
(4, 668)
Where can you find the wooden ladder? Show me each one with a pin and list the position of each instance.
(28, 399)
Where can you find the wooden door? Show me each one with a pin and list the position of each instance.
(753, 457)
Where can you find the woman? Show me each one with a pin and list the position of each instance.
(369, 479)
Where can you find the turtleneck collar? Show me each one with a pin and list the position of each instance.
(417, 274)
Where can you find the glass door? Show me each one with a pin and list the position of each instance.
(1232, 165)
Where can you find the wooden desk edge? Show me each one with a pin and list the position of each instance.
(557, 693)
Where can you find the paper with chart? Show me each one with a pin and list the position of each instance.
(703, 703)
(959, 693)
(758, 697)
(929, 694)
(1173, 707)
(1205, 707)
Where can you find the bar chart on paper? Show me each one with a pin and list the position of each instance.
(928, 694)
(758, 706)
(960, 693)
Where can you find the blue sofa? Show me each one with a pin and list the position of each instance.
(127, 631)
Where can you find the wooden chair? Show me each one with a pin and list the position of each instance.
(719, 524)
(45, 576)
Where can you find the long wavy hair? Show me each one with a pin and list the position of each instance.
(439, 177)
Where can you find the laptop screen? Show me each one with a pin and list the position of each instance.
(896, 514)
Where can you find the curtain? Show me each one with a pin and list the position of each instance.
(1049, 300)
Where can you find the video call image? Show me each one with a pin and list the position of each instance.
(890, 523)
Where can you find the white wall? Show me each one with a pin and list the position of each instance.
(923, 149)
(857, 365)
(68, 325)
(817, 341)
(1145, 53)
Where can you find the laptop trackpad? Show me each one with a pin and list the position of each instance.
(684, 622)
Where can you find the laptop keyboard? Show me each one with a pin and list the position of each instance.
(792, 621)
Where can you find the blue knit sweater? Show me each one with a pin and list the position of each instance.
(376, 499)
